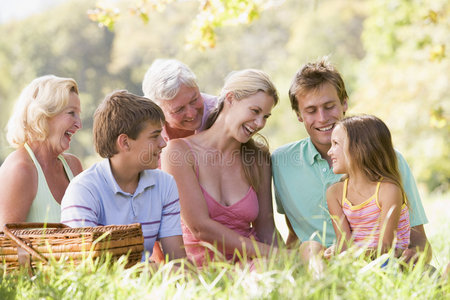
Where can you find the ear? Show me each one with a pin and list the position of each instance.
(299, 116)
(345, 106)
(122, 143)
(229, 97)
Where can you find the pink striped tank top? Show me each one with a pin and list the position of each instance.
(237, 217)
(365, 224)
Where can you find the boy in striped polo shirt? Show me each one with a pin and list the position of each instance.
(126, 186)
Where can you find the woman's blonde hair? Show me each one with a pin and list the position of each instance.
(243, 84)
(42, 99)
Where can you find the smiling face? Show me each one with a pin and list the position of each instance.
(185, 110)
(319, 110)
(64, 125)
(147, 146)
(249, 115)
(339, 150)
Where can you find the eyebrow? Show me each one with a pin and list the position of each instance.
(156, 131)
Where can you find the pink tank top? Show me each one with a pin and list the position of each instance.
(237, 217)
(365, 224)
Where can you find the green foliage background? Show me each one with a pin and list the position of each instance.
(393, 55)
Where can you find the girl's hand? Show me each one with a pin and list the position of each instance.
(329, 252)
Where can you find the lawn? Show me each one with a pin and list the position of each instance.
(281, 276)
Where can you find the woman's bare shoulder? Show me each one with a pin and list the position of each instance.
(74, 163)
(18, 171)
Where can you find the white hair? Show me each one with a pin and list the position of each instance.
(164, 77)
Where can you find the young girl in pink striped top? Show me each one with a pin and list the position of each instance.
(368, 206)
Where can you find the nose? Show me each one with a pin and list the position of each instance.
(78, 123)
(260, 122)
(330, 151)
(191, 112)
(322, 115)
(162, 142)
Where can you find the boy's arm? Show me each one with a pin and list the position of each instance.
(170, 235)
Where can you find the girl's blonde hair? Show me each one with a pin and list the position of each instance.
(371, 150)
(42, 99)
(243, 84)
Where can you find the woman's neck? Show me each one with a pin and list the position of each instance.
(44, 154)
(219, 138)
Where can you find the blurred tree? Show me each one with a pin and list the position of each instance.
(404, 79)
(210, 15)
(62, 42)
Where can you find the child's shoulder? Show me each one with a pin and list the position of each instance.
(336, 187)
(334, 191)
(389, 190)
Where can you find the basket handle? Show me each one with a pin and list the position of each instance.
(19, 242)
(24, 225)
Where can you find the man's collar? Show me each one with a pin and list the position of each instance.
(311, 152)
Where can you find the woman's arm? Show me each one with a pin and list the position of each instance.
(340, 222)
(178, 160)
(264, 223)
(18, 178)
(390, 199)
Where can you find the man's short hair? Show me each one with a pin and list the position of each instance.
(122, 112)
(164, 78)
(312, 76)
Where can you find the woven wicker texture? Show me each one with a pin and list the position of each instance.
(75, 244)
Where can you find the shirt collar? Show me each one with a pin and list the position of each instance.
(311, 153)
(146, 179)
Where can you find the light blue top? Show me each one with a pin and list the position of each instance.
(44, 207)
(301, 177)
(94, 198)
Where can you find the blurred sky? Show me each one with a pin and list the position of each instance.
(19, 9)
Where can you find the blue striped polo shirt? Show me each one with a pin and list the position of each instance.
(93, 198)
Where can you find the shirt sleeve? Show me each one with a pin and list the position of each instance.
(276, 185)
(170, 219)
(417, 214)
(79, 208)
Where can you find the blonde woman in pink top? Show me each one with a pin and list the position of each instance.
(368, 206)
(224, 176)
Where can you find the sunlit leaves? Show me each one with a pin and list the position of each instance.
(212, 14)
(104, 16)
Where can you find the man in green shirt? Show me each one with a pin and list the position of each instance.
(302, 170)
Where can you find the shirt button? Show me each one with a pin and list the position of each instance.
(324, 170)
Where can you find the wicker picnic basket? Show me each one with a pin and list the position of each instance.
(31, 243)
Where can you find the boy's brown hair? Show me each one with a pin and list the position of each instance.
(119, 113)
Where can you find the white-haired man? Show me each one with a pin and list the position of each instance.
(173, 86)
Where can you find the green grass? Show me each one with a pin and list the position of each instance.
(279, 277)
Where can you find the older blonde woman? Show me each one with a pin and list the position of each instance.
(35, 176)
(223, 175)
